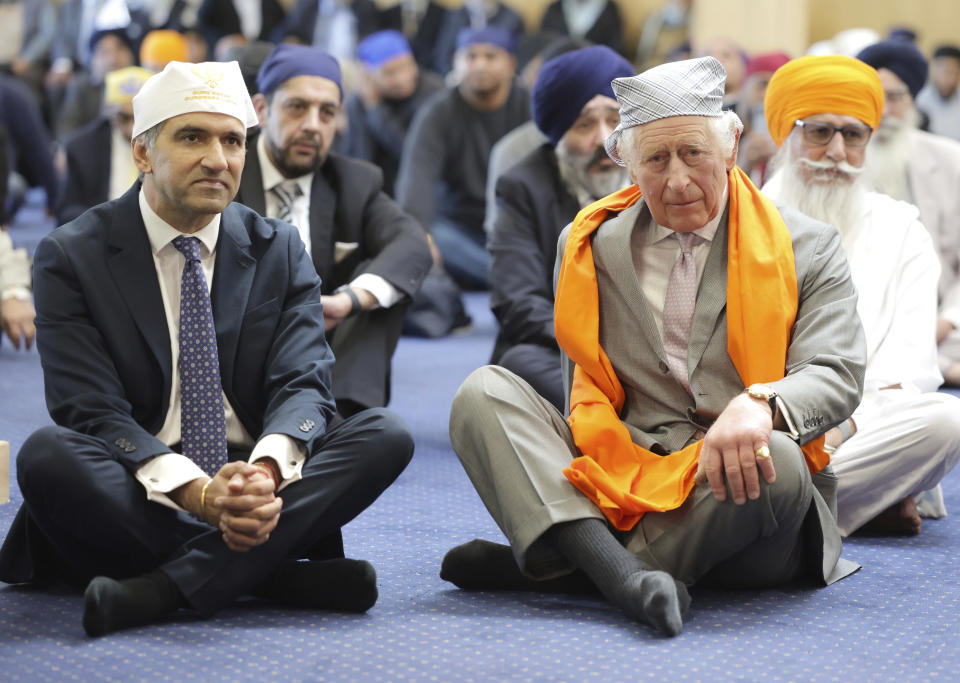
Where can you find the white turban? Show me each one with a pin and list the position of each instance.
(182, 88)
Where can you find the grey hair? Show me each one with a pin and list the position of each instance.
(148, 138)
(724, 127)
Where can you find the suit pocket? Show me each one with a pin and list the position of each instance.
(261, 312)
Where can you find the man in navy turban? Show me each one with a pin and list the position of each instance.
(575, 108)
(392, 88)
(370, 255)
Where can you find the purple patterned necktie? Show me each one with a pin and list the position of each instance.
(203, 431)
(678, 308)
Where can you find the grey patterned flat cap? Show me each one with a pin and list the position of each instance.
(692, 87)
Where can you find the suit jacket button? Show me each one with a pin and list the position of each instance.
(304, 427)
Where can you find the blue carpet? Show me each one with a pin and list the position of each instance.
(895, 619)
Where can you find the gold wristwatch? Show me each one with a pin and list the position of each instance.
(763, 392)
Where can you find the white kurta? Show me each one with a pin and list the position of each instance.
(907, 438)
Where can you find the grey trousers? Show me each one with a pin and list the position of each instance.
(514, 446)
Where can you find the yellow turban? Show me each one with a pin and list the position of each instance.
(121, 85)
(163, 46)
(822, 85)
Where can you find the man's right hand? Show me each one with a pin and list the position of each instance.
(944, 328)
(240, 501)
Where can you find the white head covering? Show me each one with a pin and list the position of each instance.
(692, 87)
(181, 88)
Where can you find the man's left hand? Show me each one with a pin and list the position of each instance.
(17, 318)
(337, 307)
(730, 448)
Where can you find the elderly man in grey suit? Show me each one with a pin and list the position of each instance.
(711, 339)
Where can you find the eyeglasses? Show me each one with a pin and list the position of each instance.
(817, 133)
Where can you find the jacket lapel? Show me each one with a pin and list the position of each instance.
(323, 206)
(251, 181)
(130, 263)
(711, 297)
(623, 270)
(233, 275)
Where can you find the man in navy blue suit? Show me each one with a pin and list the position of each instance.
(195, 457)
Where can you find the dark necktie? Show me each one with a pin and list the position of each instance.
(203, 430)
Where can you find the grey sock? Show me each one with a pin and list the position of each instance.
(650, 596)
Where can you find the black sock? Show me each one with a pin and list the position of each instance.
(650, 596)
(340, 584)
(483, 565)
(111, 605)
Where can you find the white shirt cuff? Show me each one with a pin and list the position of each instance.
(791, 429)
(164, 473)
(287, 453)
(385, 293)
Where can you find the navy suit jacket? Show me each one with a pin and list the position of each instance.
(105, 346)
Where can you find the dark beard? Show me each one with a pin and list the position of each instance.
(289, 169)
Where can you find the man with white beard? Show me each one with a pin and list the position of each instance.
(574, 107)
(923, 169)
(904, 437)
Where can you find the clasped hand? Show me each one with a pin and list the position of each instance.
(241, 502)
(729, 450)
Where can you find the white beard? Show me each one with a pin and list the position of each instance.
(888, 158)
(835, 192)
(586, 185)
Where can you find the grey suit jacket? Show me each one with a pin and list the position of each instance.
(825, 361)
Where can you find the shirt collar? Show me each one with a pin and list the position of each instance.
(657, 232)
(271, 176)
(160, 233)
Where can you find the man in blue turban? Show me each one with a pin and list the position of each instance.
(392, 88)
(575, 108)
(370, 255)
(443, 170)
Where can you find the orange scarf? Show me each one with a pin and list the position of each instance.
(622, 479)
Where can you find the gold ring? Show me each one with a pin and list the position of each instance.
(763, 453)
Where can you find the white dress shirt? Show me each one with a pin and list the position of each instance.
(166, 472)
(385, 293)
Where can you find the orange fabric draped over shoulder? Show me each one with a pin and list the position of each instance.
(624, 480)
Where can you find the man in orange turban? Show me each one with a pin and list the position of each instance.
(712, 339)
(162, 46)
(904, 437)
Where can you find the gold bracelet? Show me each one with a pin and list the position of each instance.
(203, 497)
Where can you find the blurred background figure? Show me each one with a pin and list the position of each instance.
(940, 99)
(161, 47)
(598, 21)
(923, 169)
(249, 19)
(110, 49)
(734, 61)
(756, 145)
(663, 31)
(334, 26)
(99, 157)
(391, 89)
(443, 171)
(29, 149)
(474, 14)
